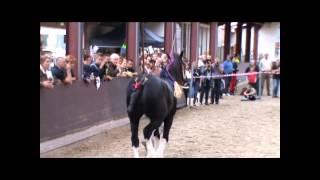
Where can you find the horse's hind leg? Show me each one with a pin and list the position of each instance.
(164, 140)
(156, 138)
(166, 129)
(134, 123)
(148, 132)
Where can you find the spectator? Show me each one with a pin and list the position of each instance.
(253, 79)
(201, 62)
(216, 90)
(228, 69)
(266, 70)
(153, 69)
(147, 67)
(223, 84)
(98, 66)
(86, 69)
(188, 90)
(129, 70)
(130, 66)
(154, 56)
(236, 59)
(276, 77)
(158, 62)
(206, 82)
(112, 70)
(249, 94)
(70, 59)
(233, 82)
(62, 71)
(195, 83)
(44, 66)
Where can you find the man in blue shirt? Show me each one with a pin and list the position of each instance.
(228, 69)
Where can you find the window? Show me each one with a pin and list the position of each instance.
(185, 39)
(53, 40)
(203, 39)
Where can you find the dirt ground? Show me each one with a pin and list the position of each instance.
(232, 129)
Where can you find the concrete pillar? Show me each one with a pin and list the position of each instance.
(239, 39)
(255, 42)
(227, 33)
(248, 40)
(168, 36)
(132, 47)
(213, 40)
(74, 33)
(194, 42)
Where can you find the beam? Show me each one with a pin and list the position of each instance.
(194, 42)
(227, 33)
(132, 48)
(168, 35)
(213, 40)
(248, 39)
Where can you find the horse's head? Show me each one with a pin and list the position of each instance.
(177, 68)
(135, 89)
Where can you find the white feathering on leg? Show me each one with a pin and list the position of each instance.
(135, 152)
(150, 149)
(161, 147)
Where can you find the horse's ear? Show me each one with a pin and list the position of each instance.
(181, 54)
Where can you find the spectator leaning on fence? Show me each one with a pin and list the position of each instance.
(129, 70)
(70, 59)
(97, 67)
(86, 68)
(62, 71)
(44, 66)
(112, 70)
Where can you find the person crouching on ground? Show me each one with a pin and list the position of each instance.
(249, 93)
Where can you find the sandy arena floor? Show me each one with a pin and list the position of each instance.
(232, 129)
